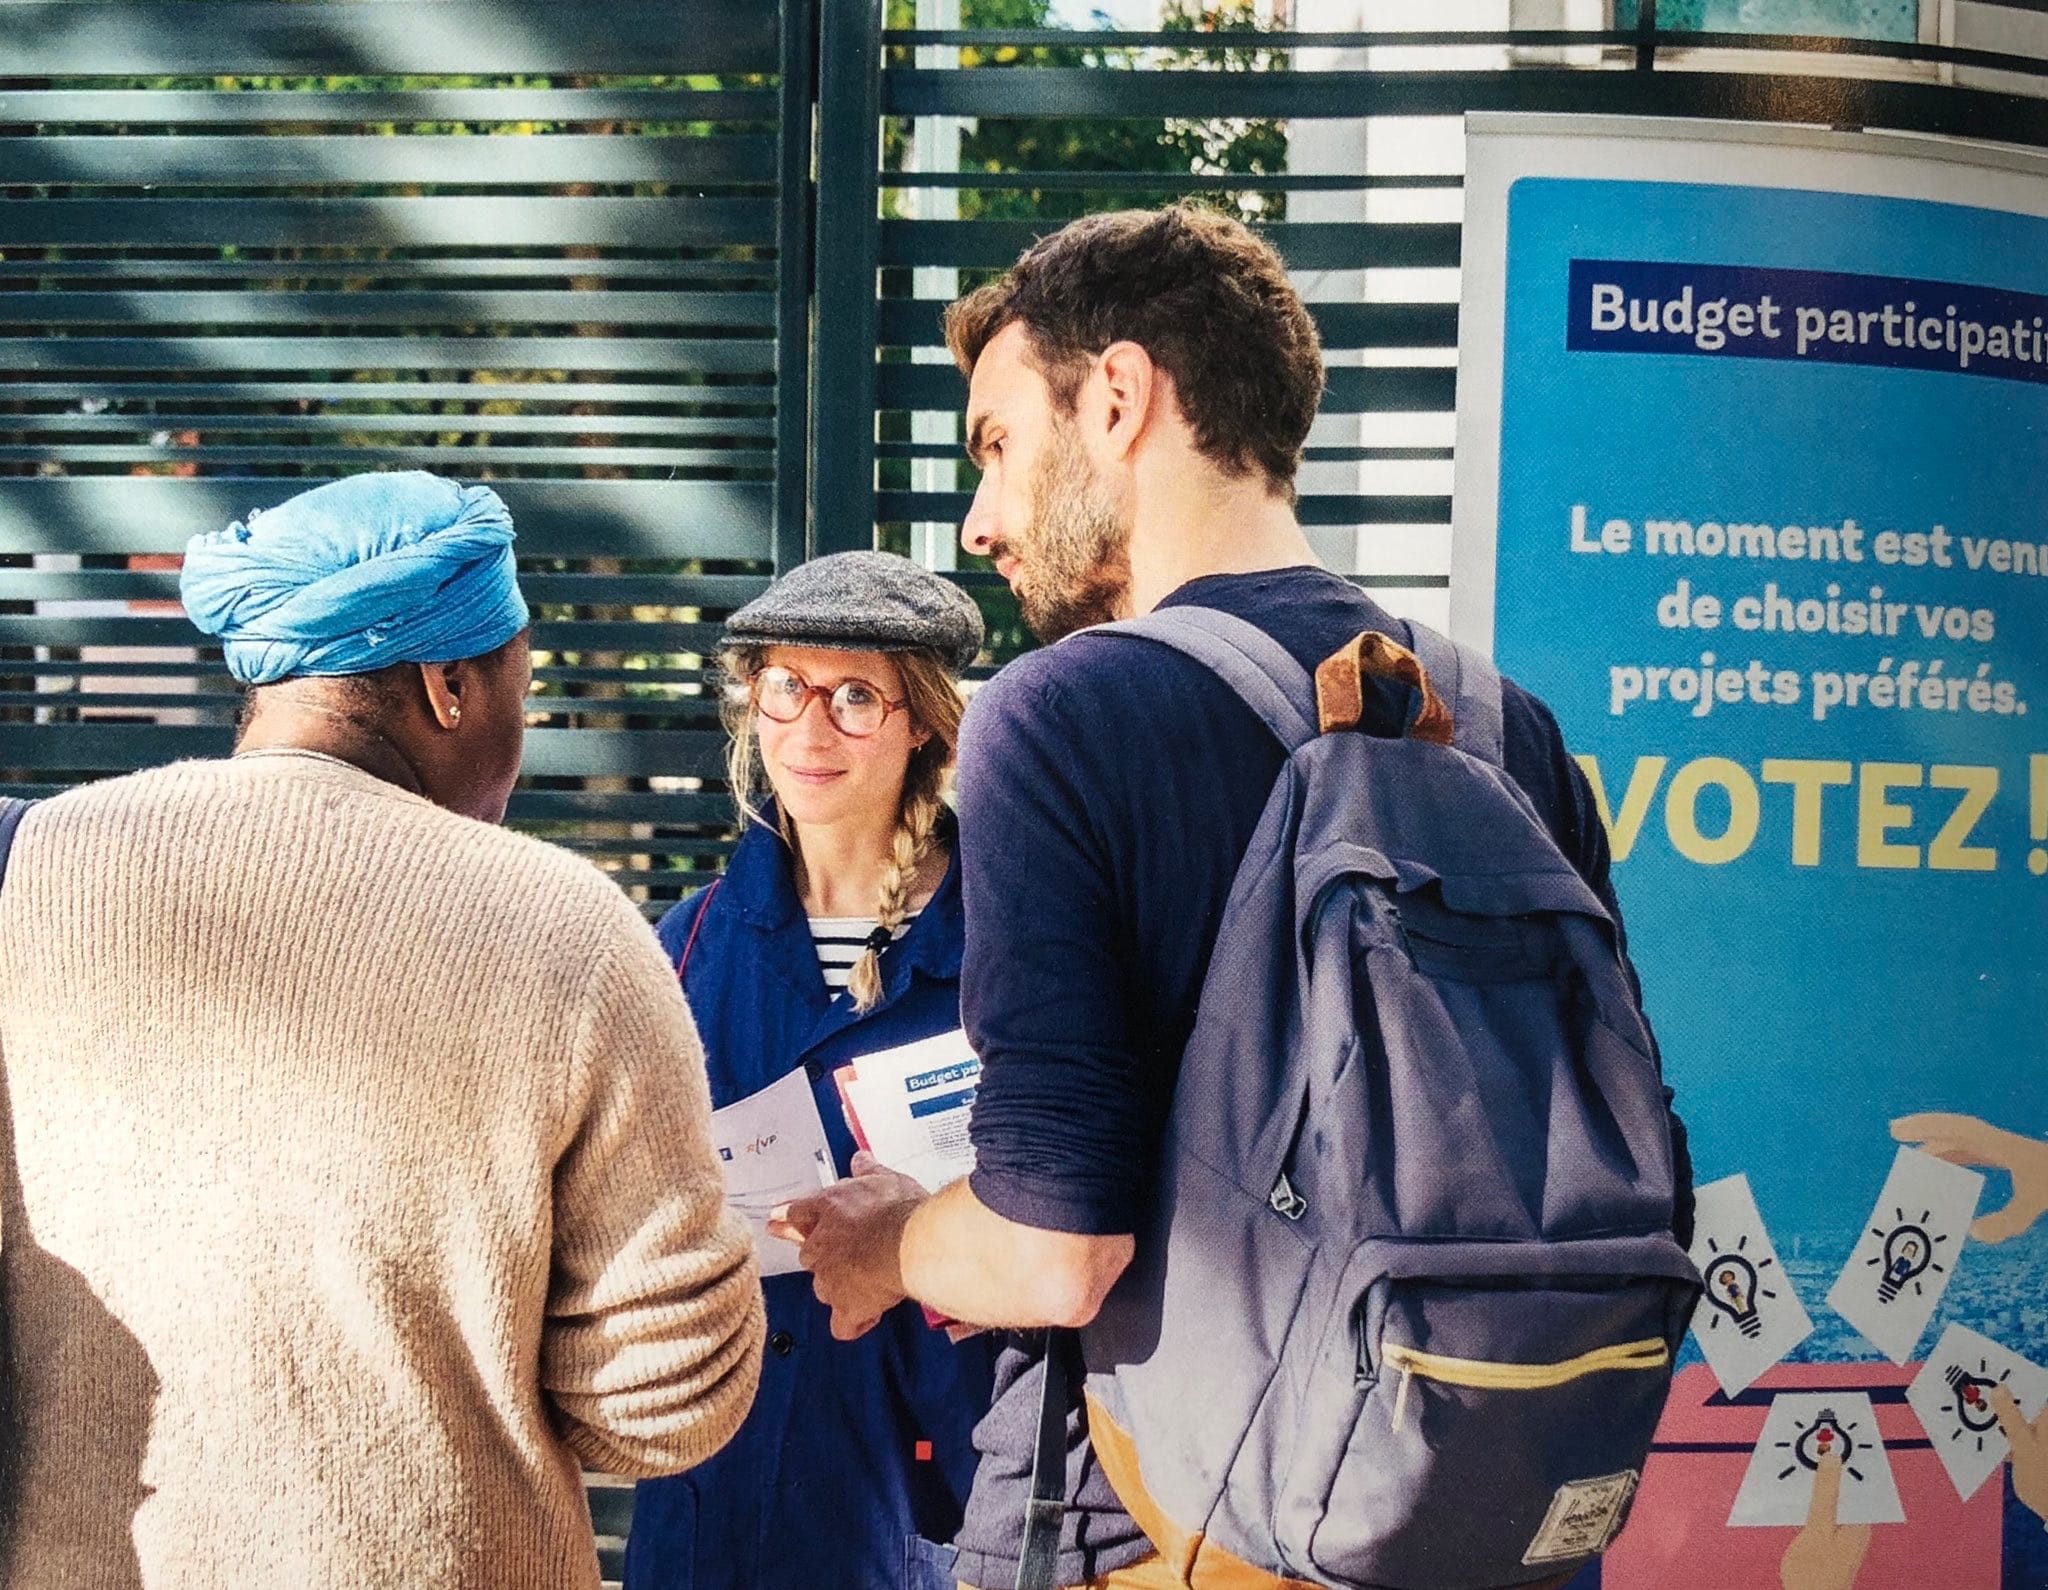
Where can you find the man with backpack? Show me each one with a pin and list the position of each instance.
(1406, 1321)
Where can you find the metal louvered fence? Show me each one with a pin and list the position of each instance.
(566, 269)
(667, 274)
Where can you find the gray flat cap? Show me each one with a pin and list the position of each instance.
(862, 601)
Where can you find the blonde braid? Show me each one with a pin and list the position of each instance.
(915, 825)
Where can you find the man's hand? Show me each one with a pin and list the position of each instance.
(2029, 1450)
(1965, 1140)
(1825, 1555)
(850, 1237)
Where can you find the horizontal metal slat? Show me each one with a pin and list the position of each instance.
(1233, 39)
(174, 630)
(216, 706)
(171, 107)
(664, 886)
(1314, 453)
(943, 507)
(193, 388)
(669, 712)
(546, 809)
(723, 356)
(625, 634)
(189, 662)
(1374, 389)
(56, 38)
(593, 753)
(1390, 389)
(916, 323)
(638, 806)
(1305, 245)
(1150, 92)
(116, 422)
(1739, 96)
(611, 1508)
(645, 672)
(444, 457)
(1085, 181)
(661, 863)
(383, 265)
(555, 518)
(713, 591)
(105, 747)
(920, 386)
(504, 160)
(405, 307)
(223, 706)
(179, 665)
(1387, 325)
(550, 753)
(431, 222)
(721, 591)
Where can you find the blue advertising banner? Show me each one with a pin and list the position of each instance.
(1763, 515)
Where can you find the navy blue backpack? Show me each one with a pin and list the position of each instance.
(1405, 1313)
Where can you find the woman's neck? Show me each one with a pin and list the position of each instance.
(301, 725)
(840, 867)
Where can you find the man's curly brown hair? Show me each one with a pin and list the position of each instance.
(1201, 293)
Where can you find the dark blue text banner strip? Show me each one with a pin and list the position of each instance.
(1819, 317)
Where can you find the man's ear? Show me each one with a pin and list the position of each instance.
(445, 684)
(1130, 384)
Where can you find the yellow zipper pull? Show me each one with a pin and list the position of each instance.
(1401, 1397)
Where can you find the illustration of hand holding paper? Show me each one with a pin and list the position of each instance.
(2029, 1450)
(1825, 1555)
(1965, 1140)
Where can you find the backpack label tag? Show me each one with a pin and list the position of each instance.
(1584, 1518)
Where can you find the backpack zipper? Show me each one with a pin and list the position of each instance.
(1652, 1352)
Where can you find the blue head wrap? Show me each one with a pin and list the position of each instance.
(350, 577)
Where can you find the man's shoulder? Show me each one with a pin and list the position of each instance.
(1518, 701)
(1085, 673)
(1055, 687)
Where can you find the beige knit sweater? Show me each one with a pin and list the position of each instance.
(357, 1183)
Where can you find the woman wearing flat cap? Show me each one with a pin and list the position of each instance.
(835, 932)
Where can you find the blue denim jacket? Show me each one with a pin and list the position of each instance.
(851, 1471)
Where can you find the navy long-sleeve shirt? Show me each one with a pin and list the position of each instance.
(1108, 791)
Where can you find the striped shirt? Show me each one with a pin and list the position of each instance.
(841, 940)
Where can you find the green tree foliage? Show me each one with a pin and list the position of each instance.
(1171, 147)
(1222, 35)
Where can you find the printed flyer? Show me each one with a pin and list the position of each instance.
(1753, 491)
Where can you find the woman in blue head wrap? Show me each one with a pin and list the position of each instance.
(378, 621)
(371, 1139)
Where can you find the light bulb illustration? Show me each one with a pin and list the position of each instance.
(1815, 1441)
(1733, 1286)
(1907, 1253)
(1974, 1414)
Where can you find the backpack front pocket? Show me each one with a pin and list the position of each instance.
(1450, 1442)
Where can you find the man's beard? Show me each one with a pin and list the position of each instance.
(1077, 558)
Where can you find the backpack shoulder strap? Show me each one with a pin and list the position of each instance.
(1045, 1513)
(12, 810)
(1470, 684)
(1251, 662)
